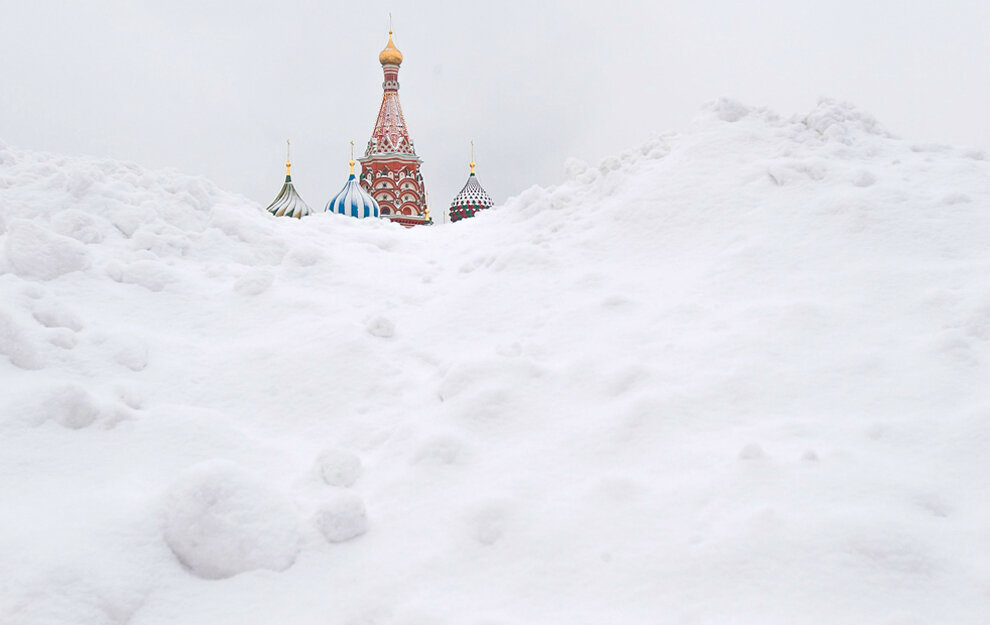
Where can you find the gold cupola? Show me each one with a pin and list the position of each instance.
(390, 55)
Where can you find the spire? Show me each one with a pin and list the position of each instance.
(390, 168)
(472, 157)
(288, 162)
(390, 135)
(352, 158)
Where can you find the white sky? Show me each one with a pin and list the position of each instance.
(215, 88)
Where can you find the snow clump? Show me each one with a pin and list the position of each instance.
(342, 518)
(339, 467)
(72, 406)
(382, 327)
(14, 344)
(220, 521)
(52, 314)
(34, 252)
(842, 121)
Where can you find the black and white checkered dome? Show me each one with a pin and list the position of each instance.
(470, 200)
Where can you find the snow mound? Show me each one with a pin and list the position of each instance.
(221, 521)
(741, 366)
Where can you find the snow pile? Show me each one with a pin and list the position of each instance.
(735, 375)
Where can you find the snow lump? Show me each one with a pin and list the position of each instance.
(220, 521)
(35, 252)
(339, 467)
(342, 518)
(16, 344)
(72, 406)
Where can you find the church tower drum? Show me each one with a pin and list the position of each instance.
(390, 169)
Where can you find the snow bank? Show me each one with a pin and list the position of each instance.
(737, 374)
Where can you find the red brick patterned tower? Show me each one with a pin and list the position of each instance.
(390, 167)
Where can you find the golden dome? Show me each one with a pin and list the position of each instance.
(390, 55)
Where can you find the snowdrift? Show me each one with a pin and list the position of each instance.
(738, 375)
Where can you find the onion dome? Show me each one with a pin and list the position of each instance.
(472, 198)
(352, 199)
(390, 55)
(288, 203)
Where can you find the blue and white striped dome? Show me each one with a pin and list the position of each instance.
(353, 200)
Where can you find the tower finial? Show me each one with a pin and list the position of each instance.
(472, 157)
(288, 159)
(390, 55)
(352, 158)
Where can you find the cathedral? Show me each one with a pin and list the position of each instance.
(390, 185)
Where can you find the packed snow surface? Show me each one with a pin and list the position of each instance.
(739, 375)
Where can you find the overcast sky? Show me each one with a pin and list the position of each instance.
(215, 88)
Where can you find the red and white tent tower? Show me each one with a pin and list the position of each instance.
(390, 168)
